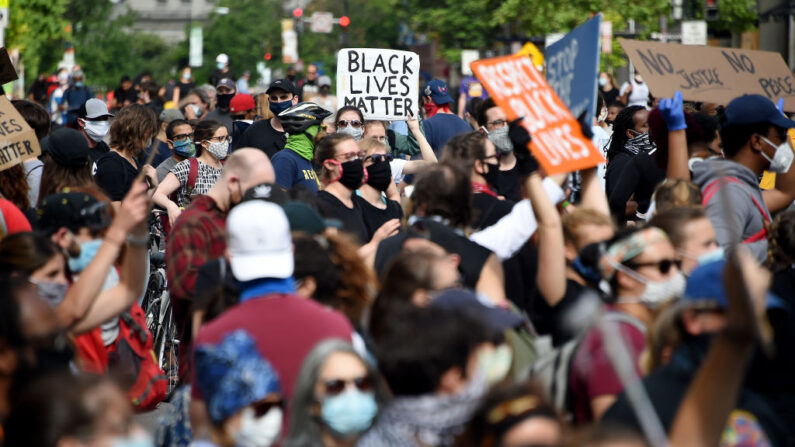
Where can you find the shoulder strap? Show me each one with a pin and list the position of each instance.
(714, 186)
(193, 172)
(620, 317)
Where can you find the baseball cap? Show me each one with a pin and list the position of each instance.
(258, 240)
(94, 108)
(67, 147)
(226, 82)
(270, 192)
(466, 300)
(242, 102)
(77, 74)
(303, 218)
(282, 84)
(169, 115)
(437, 90)
(705, 287)
(12, 220)
(72, 210)
(324, 80)
(222, 58)
(753, 109)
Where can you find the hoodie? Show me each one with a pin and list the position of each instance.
(744, 218)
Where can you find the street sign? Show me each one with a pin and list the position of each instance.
(196, 47)
(694, 32)
(322, 22)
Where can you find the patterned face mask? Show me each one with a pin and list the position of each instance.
(641, 142)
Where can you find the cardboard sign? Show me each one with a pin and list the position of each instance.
(18, 141)
(711, 74)
(521, 91)
(383, 84)
(573, 68)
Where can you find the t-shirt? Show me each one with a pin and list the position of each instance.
(264, 137)
(610, 96)
(294, 170)
(115, 175)
(508, 185)
(205, 179)
(441, 127)
(351, 218)
(489, 209)
(218, 74)
(100, 149)
(184, 88)
(639, 95)
(375, 217)
(121, 95)
(164, 168)
(222, 117)
(553, 320)
(472, 88)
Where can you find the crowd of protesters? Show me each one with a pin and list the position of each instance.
(338, 281)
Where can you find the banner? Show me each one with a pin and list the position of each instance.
(520, 90)
(711, 74)
(573, 68)
(18, 141)
(383, 84)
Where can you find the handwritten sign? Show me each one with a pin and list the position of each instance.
(383, 84)
(711, 74)
(573, 68)
(520, 90)
(18, 141)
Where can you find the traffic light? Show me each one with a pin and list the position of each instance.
(345, 21)
(711, 11)
(298, 12)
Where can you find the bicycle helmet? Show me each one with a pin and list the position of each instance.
(302, 116)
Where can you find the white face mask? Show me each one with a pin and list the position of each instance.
(656, 292)
(259, 431)
(219, 150)
(355, 132)
(782, 159)
(96, 130)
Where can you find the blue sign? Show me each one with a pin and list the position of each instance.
(573, 68)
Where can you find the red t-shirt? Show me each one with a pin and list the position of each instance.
(592, 373)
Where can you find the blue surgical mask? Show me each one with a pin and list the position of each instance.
(279, 107)
(87, 252)
(185, 148)
(714, 255)
(78, 83)
(350, 412)
(220, 65)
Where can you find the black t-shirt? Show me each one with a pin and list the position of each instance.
(264, 137)
(94, 153)
(508, 185)
(351, 218)
(489, 209)
(610, 96)
(184, 88)
(213, 293)
(115, 175)
(121, 95)
(375, 217)
(640, 177)
(552, 319)
(218, 74)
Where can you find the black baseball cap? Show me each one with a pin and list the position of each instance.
(269, 192)
(282, 84)
(67, 147)
(72, 210)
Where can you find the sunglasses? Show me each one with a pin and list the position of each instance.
(337, 386)
(354, 123)
(378, 158)
(663, 265)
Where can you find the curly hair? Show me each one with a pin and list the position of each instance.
(343, 281)
(781, 240)
(623, 122)
(132, 128)
(55, 177)
(14, 186)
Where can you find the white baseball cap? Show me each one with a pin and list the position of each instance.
(259, 242)
(222, 58)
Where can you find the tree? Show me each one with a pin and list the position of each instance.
(36, 28)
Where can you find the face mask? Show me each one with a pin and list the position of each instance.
(352, 175)
(782, 159)
(219, 150)
(638, 79)
(350, 412)
(496, 363)
(659, 292)
(492, 174)
(640, 143)
(137, 440)
(87, 252)
(430, 109)
(356, 133)
(602, 82)
(185, 148)
(691, 163)
(196, 109)
(63, 78)
(96, 130)
(499, 137)
(279, 107)
(53, 292)
(186, 76)
(712, 256)
(222, 101)
(602, 115)
(379, 175)
(220, 65)
(78, 83)
(259, 432)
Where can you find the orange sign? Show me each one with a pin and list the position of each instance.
(520, 90)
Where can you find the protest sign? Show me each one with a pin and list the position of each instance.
(18, 141)
(7, 71)
(520, 90)
(383, 84)
(711, 74)
(573, 67)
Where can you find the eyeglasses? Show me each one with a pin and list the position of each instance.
(494, 156)
(221, 139)
(344, 123)
(378, 158)
(381, 138)
(183, 136)
(337, 386)
(663, 265)
(351, 156)
(499, 122)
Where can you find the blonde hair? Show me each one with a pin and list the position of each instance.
(580, 217)
(369, 145)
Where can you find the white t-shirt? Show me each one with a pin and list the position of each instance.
(639, 95)
(397, 166)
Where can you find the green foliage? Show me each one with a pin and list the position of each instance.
(35, 28)
(734, 15)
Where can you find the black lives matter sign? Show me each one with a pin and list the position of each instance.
(383, 84)
(18, 141)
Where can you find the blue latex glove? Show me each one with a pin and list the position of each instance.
(672, 112)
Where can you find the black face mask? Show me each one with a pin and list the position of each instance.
(222, 101)
(352, 174)
(379, 174)
(493, 175)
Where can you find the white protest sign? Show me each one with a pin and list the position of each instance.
(383, 84)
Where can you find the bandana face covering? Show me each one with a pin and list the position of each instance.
(640, 143)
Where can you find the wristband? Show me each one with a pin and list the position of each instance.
(138, 241)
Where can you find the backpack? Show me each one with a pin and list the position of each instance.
(714, 186)
(193, 173)
(553, 370)
(131, 357)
